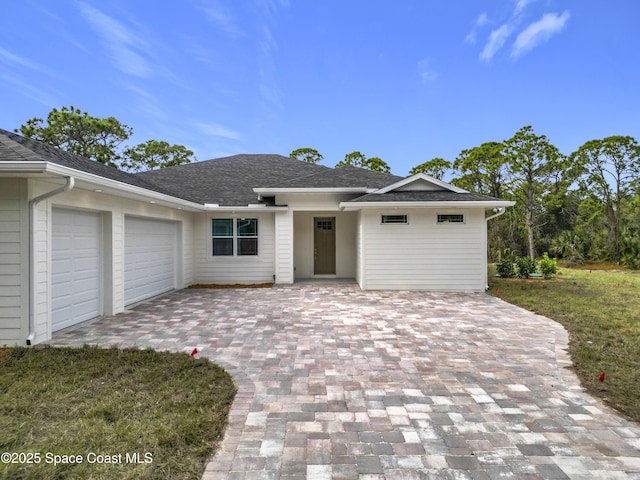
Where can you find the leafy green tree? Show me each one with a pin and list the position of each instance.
(376, 164)
(484, 170)
(100, 139)
(306, 154)
(353, 159)
(612, 169)
(533, 163)
(75, 131)
(154, 154)
(358, 159)
(436, 168)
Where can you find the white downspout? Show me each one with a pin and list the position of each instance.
(499, 211)
(70, 182)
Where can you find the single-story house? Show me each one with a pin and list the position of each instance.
(79, 239)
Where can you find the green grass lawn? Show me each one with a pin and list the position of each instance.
(124, 414)
(601, 311)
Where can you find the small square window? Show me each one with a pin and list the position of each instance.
(451, 218)
(395, 219)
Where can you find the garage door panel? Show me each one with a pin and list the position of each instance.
(75, 265)
(150, 258)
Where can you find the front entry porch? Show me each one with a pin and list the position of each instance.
(324, 244)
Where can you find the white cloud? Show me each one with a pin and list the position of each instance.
(217, 130)
(481, 21)
(7, 57)
(426, 71)
(125, 45)
(521, 5)
(217, 14)
(539, 32)
(28, 90)
(496, 41)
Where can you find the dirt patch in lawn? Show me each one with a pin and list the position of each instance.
(234, 285)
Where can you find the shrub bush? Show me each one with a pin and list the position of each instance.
(505, 268)
(548, 266)
(525, 266)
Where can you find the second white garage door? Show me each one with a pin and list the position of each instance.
(150, 249)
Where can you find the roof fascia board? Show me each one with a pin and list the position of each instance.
(23, 167)
(451, 204)
(213, 207)
(99, 181)
(421, 176)
(272, 191)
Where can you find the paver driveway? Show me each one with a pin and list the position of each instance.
(335, 382)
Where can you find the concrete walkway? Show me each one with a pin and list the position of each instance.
(338, 383)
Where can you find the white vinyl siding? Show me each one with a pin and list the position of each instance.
(427, 255)
(112, 211)
(243, 269)
(75, 267)
(150, 251)
(14, 320)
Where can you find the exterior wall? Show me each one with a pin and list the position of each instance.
(14, 261)
(423, 255)
(284, 247)
(345, 228)
(113, 210)
(359, 250)
(235, 269)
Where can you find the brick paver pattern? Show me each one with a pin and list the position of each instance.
(339, 383)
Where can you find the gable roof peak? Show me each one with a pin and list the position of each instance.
(420, 182)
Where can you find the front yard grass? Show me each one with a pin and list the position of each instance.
(601, 311)
(109, 413)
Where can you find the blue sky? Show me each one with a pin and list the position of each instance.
(404, 80)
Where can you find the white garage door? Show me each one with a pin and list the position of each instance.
(150, 249)
(75, 267)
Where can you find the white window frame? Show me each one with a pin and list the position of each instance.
(235, 237)
(441, 221)
(387, 215)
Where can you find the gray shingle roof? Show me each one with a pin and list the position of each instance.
(424, 196)
(14, 147)
(230, 181)
(342, 177)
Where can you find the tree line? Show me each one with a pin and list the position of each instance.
(101, 139)
(582, 206)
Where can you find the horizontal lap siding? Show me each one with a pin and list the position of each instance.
(13, 261)
(423, 254)
(237, 269)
